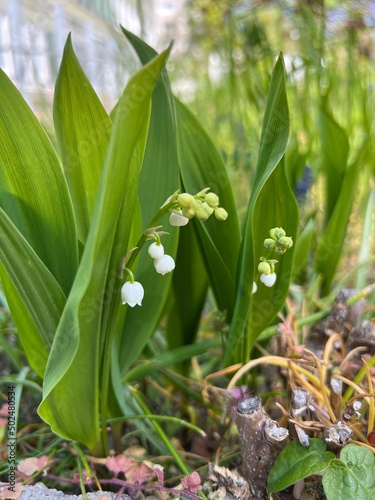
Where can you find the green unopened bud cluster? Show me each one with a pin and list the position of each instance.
(278, 243)
(202, 205)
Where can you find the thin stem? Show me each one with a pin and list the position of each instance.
(146, 234)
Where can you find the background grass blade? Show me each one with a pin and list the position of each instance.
(330, 245)
(335, 151)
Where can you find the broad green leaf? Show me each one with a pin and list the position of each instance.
(303, 248)
(272, 204)
(201, 166)
(82, 129)
(330, 245)
(72, 385)
(33, 190)
(33, 291)
(159, 179)
(296, 462)
(353, 476)
(335, 151)
(189, 289)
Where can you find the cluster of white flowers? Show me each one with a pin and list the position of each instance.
(132, 292)
(182, 208)
(163, 263)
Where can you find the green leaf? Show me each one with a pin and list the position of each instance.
(335, 151)
(168, 358)
(368, 211)
(201, 166)
(189, 289)
(330, 245)
(82, 129)
(72, 386)
(353, 476)
(33, 290)
(33, 190)
(296, 462)
(303, 248)
(272, 204)
(159, 179)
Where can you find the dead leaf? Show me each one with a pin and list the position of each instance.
(28, 466)
(10, 492)
(192, 483)
(119, 463)
(140, 473)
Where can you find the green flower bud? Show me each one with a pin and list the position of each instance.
(188, 212)
(285, 242)
(212, 199)
(277, 232)
(185, 200)
(264, 268)
(269, 243)
(280, 250)
(221, 213)
(203, 211)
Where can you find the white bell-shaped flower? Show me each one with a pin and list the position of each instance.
(132, 293)
(164, 265)
(268, 279)
(177, 219)
(156, 251)
(255, 287)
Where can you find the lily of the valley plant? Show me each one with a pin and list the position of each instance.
(81, 235)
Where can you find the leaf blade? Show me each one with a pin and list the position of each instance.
(296, 462)
(33, 190)
(82, 129)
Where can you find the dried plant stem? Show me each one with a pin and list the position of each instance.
(371, 405)
(270, 360)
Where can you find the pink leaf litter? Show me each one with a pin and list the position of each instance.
(29, 466)
(85, 476)
(159, 471)
(140, 473)
(119, 463)
(240, 393)
(10, 492)
(192, 483)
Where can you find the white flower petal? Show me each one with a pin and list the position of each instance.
(132, 293)
(268, 279)
(177, 219)
(156, 251)
(255, 287)
(164, 265)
